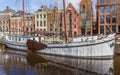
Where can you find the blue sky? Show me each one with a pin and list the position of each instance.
(33, 5)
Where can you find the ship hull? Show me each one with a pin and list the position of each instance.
(96, 49)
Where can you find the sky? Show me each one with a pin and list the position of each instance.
(33, 5)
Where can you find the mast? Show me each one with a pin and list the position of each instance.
(65, 22)
(23, 4)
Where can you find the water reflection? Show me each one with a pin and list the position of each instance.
(34, 64)
(117, 65)
(22, 63)
(33, 59)
(83, 66)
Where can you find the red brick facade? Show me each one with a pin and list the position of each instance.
(16, 25)
(72, 22)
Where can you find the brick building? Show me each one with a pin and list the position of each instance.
(107, 17)
(16, 23)
(30, 23)
(5, 16)
(55, 22)
(86, 15)
(54, 19)
(72, 22)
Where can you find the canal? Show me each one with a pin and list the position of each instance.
(14, 62)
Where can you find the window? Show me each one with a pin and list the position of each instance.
(55, 29)
(44, 23)
(82, 8)
(107, 1)
(107, 9)
(88, 17)
(101, 29)
(88, 7)
(115, 0)
(101, 19)
(60, 30)
(37, 16)
(88, 31)
(107, 29)
(70, 15)
(113, 19)
(75, 26)
(40, 23)
(70, 21)
(44, 29)
(88, 23)
(108, 19)
(75, 33)
(82, 15)
(102, 1)
(114, 28)
(61, 17)
(30, 23)
(50, 25)
(26, 29)
(37, 23)
(27, 23)
(113, 9)
(50, 29)
(44, 15)
(70, 33)
(60, 25)
(101, 10)
(40, 15)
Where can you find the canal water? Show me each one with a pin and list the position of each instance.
(15, 62)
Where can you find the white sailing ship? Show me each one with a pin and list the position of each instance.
(83, 46)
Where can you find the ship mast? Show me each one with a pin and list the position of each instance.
(65, 22)
(23, 4)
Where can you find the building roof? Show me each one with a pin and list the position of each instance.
(42, 8)
(71, 7)
(19, 13)
(8, 10)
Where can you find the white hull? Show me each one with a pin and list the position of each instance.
(96, 49)
(15, 45)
